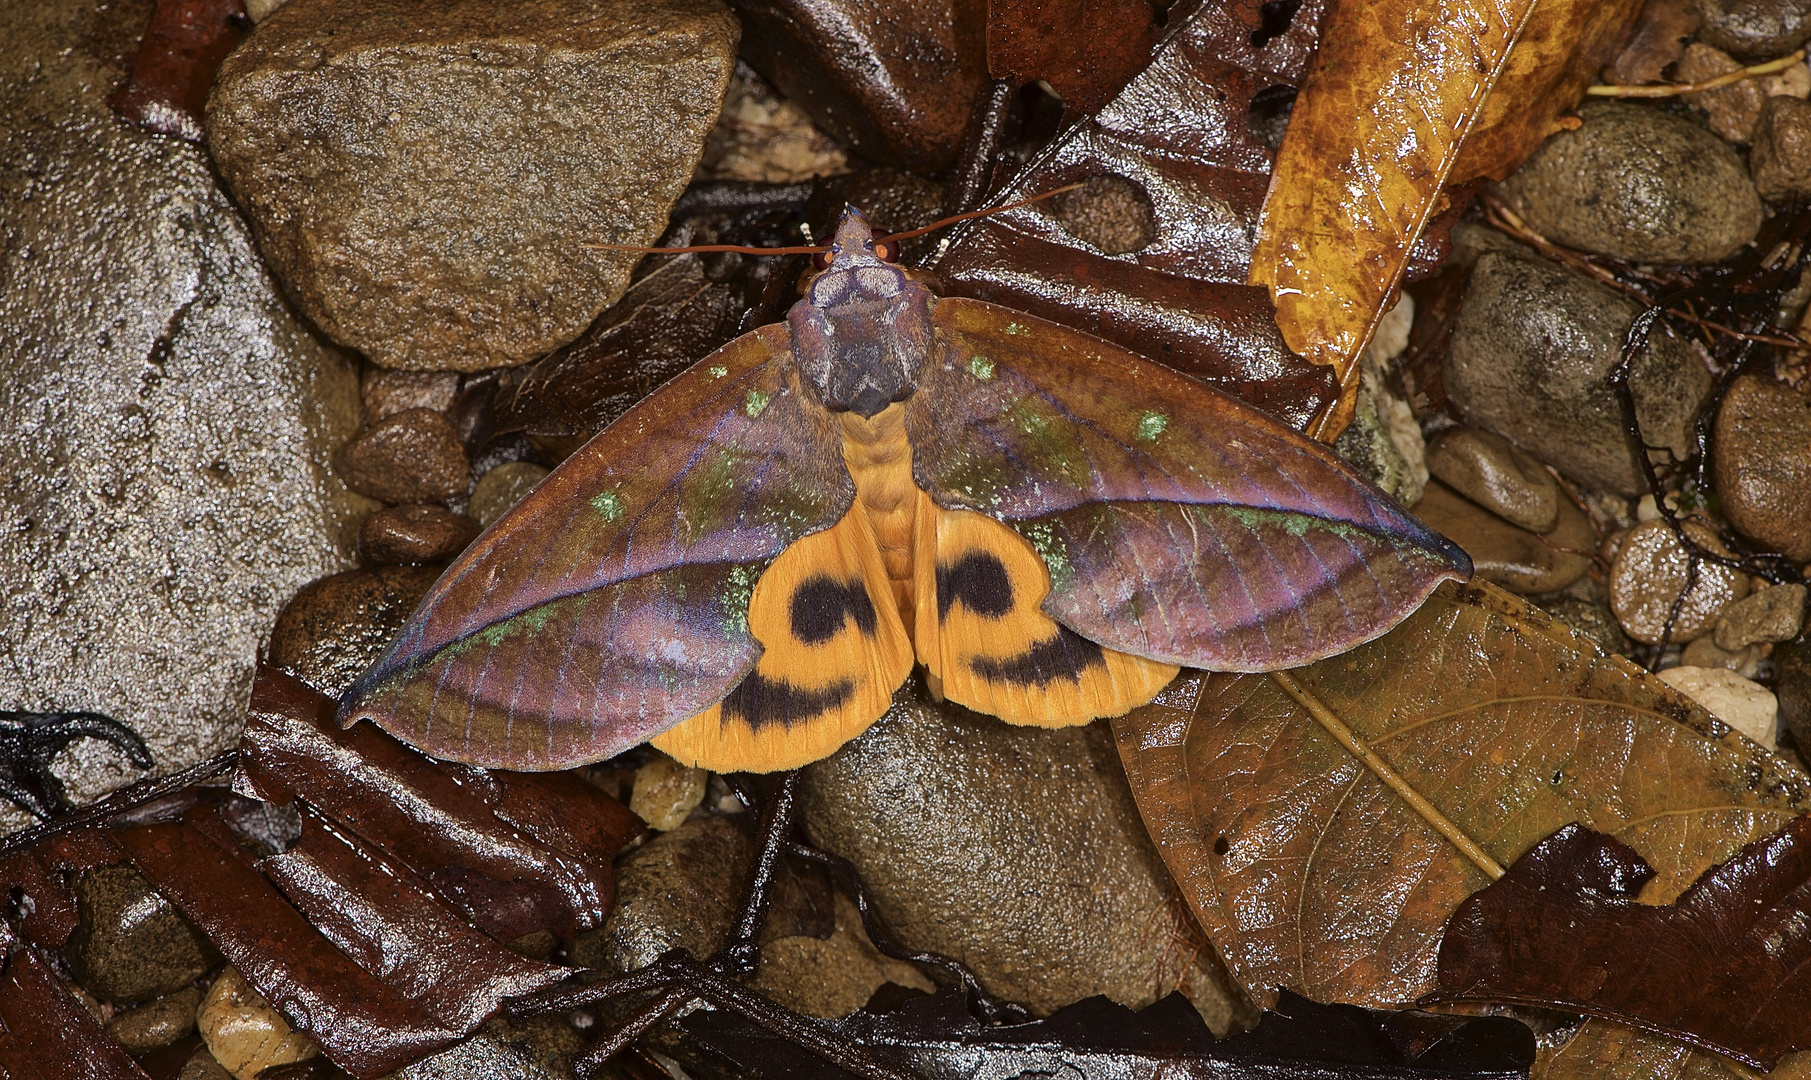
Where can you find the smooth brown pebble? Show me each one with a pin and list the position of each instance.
(666, 792)
(1650, 572)
(423, 532)
(1497, 475)
(1772, 614)
(1505, 554)
(202, 1066)
(157, 1023)
(1781, 155)
(334, 628)
(387, 393)
(132, 944)
(244, 1033)
(1761, 464)
(503, 487)
(1705, 653)
(1733, 109)
(412, 457)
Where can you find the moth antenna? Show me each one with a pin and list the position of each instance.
(739, 249)
(1052, 193)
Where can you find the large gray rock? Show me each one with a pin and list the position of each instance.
(424, 177)
(1639, 184)
(165, 421)
(1018, 851)
(1530, 358)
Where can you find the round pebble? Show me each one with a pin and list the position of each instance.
(1505, 554)
(1705, 653)
(1772, 614)
(157, 1023)
(420, 533)
(132, 944)
(1781, 157)
(1755, 29)
(412, 457)
(387, 393)
(1492, 472)
(244, 1033)
(1650, 573)
(1761, 464)
(502, 488)
(666, 792)
(336, 627)
(1640, 184)
(1741, 703)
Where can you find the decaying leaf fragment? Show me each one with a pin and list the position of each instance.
(1726, 966)
(1096, 1039)
(1407, 97)
(1309, 871)
(1085, 49)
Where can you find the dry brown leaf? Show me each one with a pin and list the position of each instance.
(1308, 872)
(1605, 1051)
(1407, 97)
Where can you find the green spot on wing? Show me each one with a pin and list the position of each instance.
(718, 371)
(981, 367)
(1291, 522)
(1151, 425)
(1049, 545)
(757, 403)
(1015, 328)
(608, 506)
(736, 593)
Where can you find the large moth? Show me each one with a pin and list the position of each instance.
(746, 566)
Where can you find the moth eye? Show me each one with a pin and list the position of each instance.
(821, 260)
(886, 252)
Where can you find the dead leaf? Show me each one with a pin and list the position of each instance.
(1407, 97)
(1309, 871)
(1084, 49)
(174, 67)
(1183, 157)
(1660, 35)
(1722, 967)
(45, 1033)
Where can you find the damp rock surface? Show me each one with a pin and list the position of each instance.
(132, 945)
(423, 177)
(165, 419)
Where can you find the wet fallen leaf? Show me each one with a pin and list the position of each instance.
(45, 1033)
(1722, 967)
(1084, 49)
(1096, 1039)
(1156, 258)
(1601, 1050)
(174, 67)
(1407, 97)
(1660, 35)
(1309, 871)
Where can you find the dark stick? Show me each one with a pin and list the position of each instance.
(126, 798)
(742, 953)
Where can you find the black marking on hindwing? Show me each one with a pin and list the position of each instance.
(820, 607)
(759, 702)
(979, 582)
(1064, 656)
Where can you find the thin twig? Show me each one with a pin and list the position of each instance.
(1660, 90)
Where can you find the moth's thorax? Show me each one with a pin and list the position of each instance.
(879, 459)
(863, 331)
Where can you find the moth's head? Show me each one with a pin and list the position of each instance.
(863, 330)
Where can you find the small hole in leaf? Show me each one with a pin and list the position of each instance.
(1269, 114)
(1110, 212)
(1221, 847)
(1274, 17)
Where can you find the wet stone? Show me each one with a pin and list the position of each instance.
(1016, 850)
(419, 533)
(666, 792)
(1495, 474)
(1772, 614)
(1383, 441)
(1705, 653)
(1530, 358)
(539, 1048)
(761, 136)
(1781, 157)
(503, 487)
(1741, 703)
(1755, 29)
(1735, 110)
(682, 890)
(1589, 615)
(1792, 686)
(244, 1033)
(413, 456)
(165, 417)
(1649, 574)
(202, 1066)
(420, 178)
(1638, 184)
(894, 83)
(133, 945)
(338, 626)
(1508, 555)
(387, 393)
(1761, 464)
(158, 1023)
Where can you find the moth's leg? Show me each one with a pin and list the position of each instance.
(741, 954)
(990, 1009)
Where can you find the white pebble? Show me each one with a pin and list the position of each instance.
(1741, 703)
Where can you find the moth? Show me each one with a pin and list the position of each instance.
(744, 567)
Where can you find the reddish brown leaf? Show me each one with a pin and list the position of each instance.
(1085, 49)
(174, 67)
(549, 870)
(1155, 259)
(50, 915)
(1726, 966)
(366, 1028)
(45, 1033)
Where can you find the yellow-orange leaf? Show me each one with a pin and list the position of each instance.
(1406, 97)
